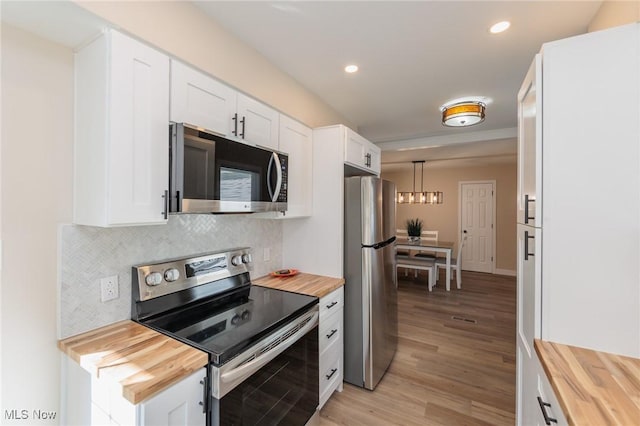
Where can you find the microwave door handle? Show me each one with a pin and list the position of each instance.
(269, 177)
(273, 194)
(276, 158)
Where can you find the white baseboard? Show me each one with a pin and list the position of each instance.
(507, 272)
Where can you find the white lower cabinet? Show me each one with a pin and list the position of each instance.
(331, 344)
(93, 401)
(549, 410)
(537, 404)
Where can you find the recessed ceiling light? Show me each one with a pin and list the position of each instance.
(499, 27)
(351, 68)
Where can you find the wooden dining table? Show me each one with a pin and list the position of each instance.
(446, 247)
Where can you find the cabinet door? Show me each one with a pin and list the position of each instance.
(361, 153)
(548, 407)
(257, 123)
(526, 388)
(529, 265)
(200, 100)
(296, 141)
(355, 149)
(530, 146)
(374, 158)
(177, 405)
(137, 144)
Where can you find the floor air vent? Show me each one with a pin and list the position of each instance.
(464, 319)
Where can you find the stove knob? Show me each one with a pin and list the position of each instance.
(246, 258)
(153, 279)
(235, 319)
(171, 274)
(236, 260)
(245, 314)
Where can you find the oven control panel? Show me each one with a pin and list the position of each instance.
(159, 279)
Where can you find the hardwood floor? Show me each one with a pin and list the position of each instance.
(446, 371)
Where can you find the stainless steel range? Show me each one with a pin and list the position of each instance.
(262, 343)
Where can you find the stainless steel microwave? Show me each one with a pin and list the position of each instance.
(212, 174)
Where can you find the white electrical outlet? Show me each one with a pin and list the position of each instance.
(266, 254)
(109, 288)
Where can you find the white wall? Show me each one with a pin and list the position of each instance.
(614, 14)
(37, 134)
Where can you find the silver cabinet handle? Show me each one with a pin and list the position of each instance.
(526, 245)
(235, 124)
(333, 371)
(527, 200)
(543, 406)
(165, 213)
(205, 394)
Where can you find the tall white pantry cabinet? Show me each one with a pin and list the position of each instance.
(578, 202)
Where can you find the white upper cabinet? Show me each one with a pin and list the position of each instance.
(200, 100)
(121, 142)
(530, 146)
(257, 123)
(296, 140)
(361, 153)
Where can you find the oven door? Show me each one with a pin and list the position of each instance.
(211, 174)
(282, 391)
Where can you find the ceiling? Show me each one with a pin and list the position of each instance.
(413, 57)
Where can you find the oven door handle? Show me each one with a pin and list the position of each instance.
(254, 365)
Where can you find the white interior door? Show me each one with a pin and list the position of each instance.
(477, 218)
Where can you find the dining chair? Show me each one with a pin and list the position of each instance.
(431, 236)
(420, 265)
(403, 234)
(402, 254)
(441, 262)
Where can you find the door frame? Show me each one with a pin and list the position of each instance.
(493, 216)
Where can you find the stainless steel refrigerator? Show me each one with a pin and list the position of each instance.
(371, 312)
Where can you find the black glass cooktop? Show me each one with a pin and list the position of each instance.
(224, 326)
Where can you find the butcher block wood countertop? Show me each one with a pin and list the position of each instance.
(594, 388)
(142, 361)
(309, 284)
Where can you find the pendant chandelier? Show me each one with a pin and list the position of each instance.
(422, 197)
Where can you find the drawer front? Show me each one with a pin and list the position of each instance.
(547, 396)
(332, 302)
(330, 376)
(330, 332)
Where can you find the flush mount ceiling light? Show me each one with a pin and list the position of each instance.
(351, 69)
(499, 27)
(463, 113)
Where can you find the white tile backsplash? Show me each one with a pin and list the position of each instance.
(88, 254)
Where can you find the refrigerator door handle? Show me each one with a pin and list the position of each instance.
(383, 244)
